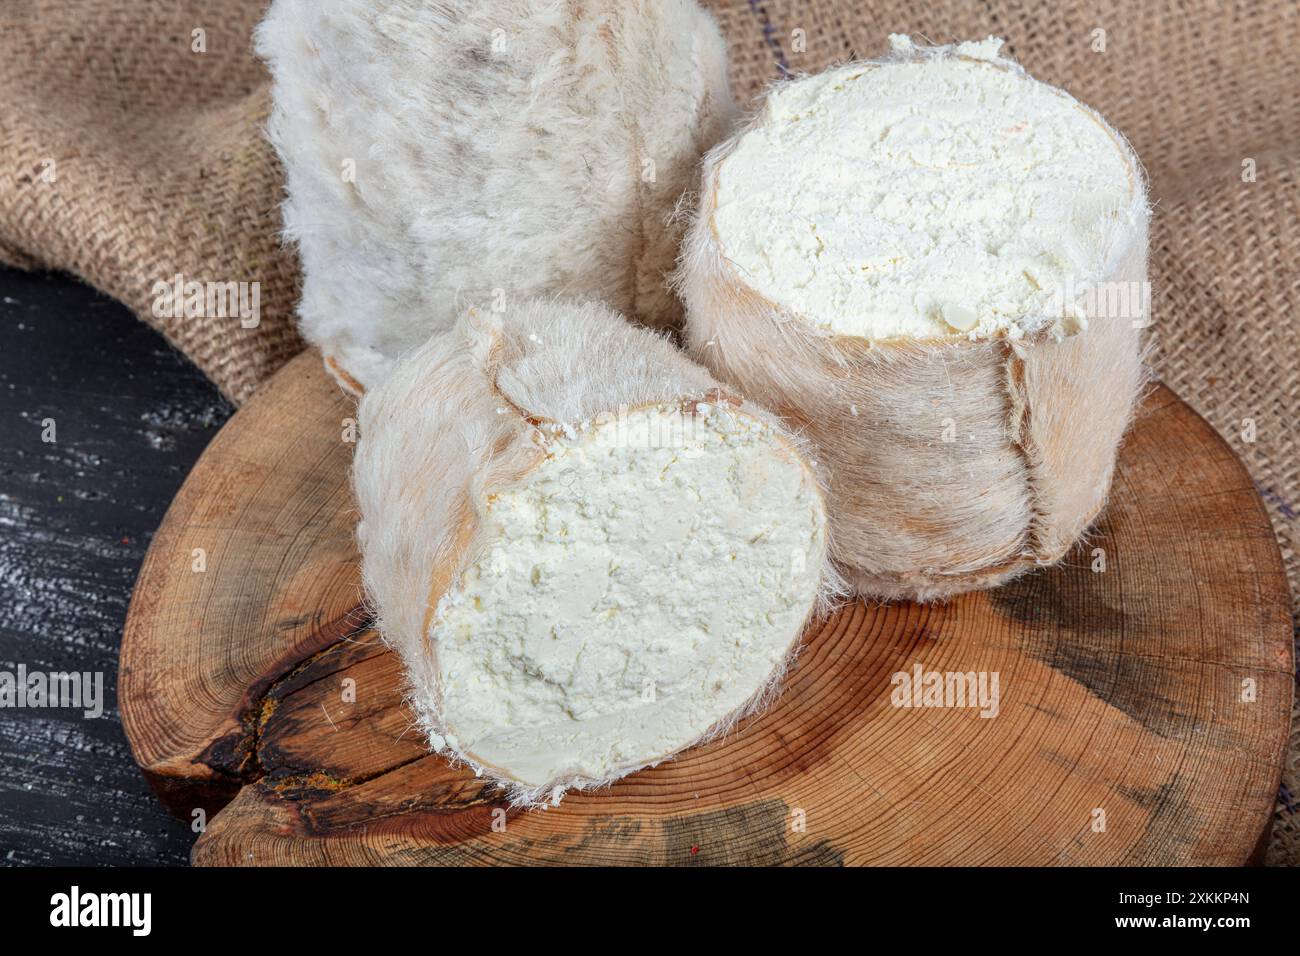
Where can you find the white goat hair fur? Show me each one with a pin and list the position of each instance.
(1034, 412)
(445, 153)
(478, 414)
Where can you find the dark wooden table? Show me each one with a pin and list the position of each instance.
(131, 415)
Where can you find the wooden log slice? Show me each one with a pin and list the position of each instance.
(1144, 690)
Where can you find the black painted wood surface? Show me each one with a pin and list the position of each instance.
(131, 415)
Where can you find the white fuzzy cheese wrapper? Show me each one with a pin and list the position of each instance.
(934, 268)
(441, 155)
(588, 554)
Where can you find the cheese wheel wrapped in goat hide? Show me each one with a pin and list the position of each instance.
(588, 553)
(934, 268)
(445, 153)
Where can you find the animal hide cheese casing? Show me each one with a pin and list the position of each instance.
(933, 267)
(446, 154)
(588, 553)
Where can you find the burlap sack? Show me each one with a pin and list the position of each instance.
(131, 151)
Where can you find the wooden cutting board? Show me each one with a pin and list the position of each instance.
(1142, 719)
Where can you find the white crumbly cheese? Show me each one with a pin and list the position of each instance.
(644, 582)
(923, 198)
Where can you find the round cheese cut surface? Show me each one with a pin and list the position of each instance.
(924, 198)
(636, 589)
